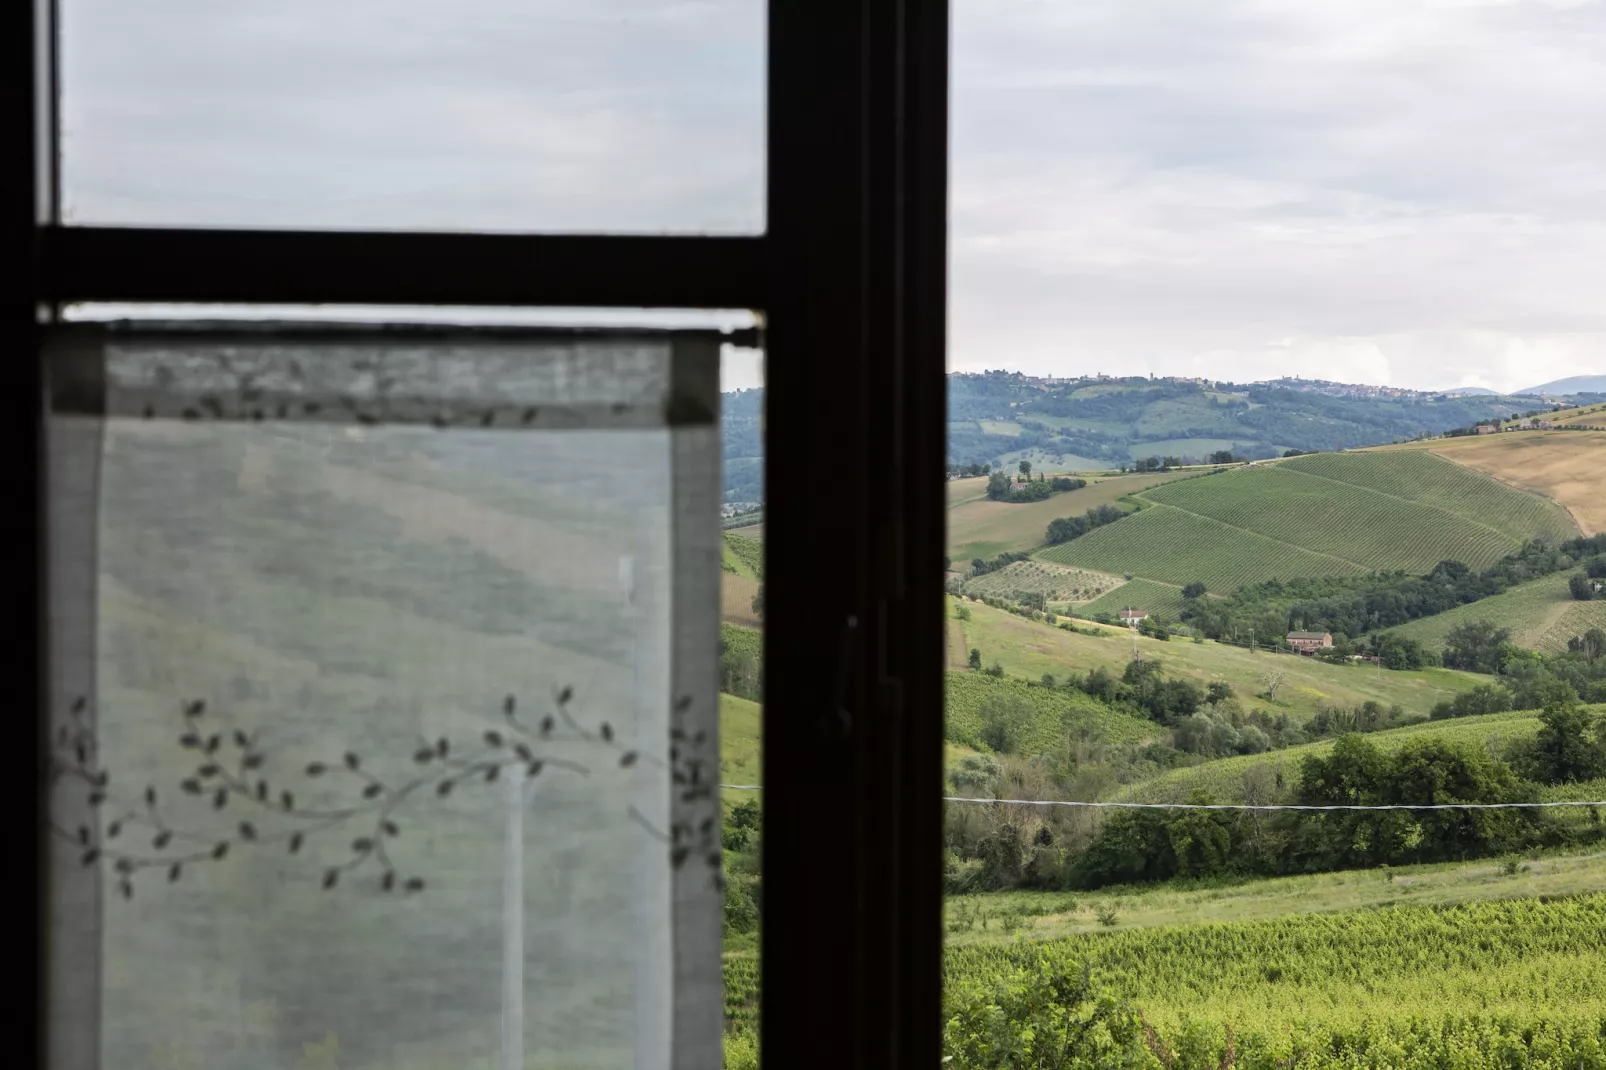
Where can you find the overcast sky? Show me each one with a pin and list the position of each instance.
(1410, 192)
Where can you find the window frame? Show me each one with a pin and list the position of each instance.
(851, 279)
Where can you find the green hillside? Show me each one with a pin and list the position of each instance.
(1330, 515)
(1541, 615)
(1225, 778)
(981, 528)
(1176, 546)
(1162, 599)
(1427, 479)
(1057, 714)
(1028, 649)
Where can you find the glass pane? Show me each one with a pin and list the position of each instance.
(386, 697)
(624, 116)
(1276, 689)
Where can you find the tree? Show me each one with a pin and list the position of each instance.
(758, 602)
(1568, 747)
(998, 486)
(1475, 646)
(1581, 589)
(1592, 644)
(1196, 589)
(1222, 457)
(975, 658)
(1026, 468)
(1273, 680)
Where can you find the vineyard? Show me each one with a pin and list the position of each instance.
(1323, 515)
(1424, 479)
(1060, 583)
(746, 553)
(1541, 615)
(1514, 983)
(1163, 543)
(1150, 596)
(1057, 714)
(1482, 985)
(1367, 528)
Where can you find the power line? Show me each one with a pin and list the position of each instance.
(1241, 806)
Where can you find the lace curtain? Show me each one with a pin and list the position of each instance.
(383, 666)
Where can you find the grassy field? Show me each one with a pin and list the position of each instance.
(740, 752)
(745, 553)
(1224, 777)
(1029, 649)
(1060, 583)
(1164, 599)
(1568, 467)
(981, 528)
(1541, 614)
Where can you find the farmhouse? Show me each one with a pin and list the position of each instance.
(1132, 616)
(1487, 429)
(1308, 642)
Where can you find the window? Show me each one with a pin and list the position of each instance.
(848, 277)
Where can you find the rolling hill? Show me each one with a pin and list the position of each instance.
(1574, 384)
(1540, 614)
(981, 528)
(1328, 514)
(1028, 649)
(1225, 780)
(1569, 467)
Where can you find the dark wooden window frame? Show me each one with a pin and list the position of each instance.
(851, 279)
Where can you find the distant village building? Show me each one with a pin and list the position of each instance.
(1487, 429)
(1132, 616)
(1310, 642)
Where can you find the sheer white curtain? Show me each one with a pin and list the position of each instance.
(384, 675)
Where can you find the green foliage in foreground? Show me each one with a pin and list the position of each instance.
(1053, 715)
(1514, 983)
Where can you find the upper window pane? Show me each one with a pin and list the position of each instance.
(615, 116)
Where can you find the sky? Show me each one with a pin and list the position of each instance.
(1403, 192)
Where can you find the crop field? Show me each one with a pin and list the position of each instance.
(1224, 778)
(1061, 583)
(1028, 649)
(1174, 546)
(1492, 984)
(1568, 467)
(1152, 596)
(1056, 714)
(736, 599)
(981, 528)
(1541, 614)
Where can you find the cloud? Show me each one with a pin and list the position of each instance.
(1410, 189)
(1408, 193)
